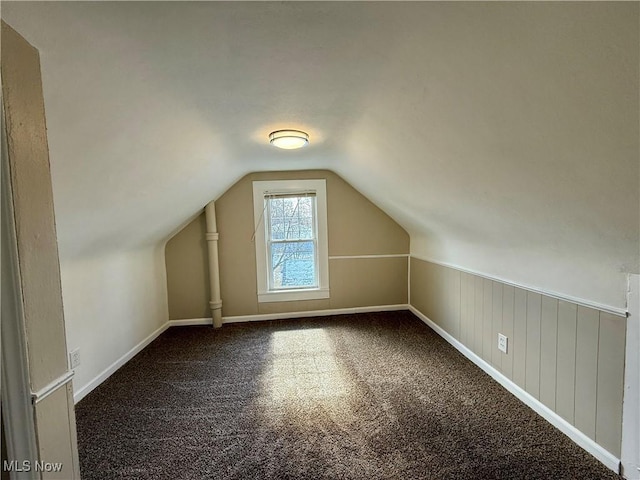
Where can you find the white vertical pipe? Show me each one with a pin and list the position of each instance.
(214, 269)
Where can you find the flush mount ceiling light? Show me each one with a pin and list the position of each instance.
(288, 139)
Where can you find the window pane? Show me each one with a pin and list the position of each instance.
(275, 207)
(306, 228)
(293, 265)
(277, 229)
(291, 218)
(292, 230)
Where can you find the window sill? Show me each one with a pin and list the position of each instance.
(293, 295)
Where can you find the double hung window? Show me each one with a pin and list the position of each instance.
(291, 240)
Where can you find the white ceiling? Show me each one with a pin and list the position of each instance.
(500, 135)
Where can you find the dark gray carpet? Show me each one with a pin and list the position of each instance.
(371, 396)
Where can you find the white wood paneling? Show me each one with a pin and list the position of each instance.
(568, 357)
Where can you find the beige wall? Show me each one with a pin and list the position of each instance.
(569, 357)
(40, 293)
(355, 226)
(187, 276)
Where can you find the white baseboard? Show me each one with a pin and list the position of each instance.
(190, 321)
(313, 313)
(283, 316)
(110, 370)
(604, 456)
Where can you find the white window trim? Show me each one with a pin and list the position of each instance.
(260, 188)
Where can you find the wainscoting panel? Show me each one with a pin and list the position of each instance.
(587, 328)
(548, 351)
(532, 360)
(611, 343)
(508, 310)
(519, 347)
(568, 356)
(478, 285)
(496, 323)
(487, 319)
(566, 360)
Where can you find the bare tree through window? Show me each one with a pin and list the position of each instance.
(291, 234)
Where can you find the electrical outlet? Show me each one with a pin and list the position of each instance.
(74, 358)
(502, 342)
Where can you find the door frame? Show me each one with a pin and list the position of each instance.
(15, 390)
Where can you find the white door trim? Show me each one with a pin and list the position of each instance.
(17, 411)
(631, 402)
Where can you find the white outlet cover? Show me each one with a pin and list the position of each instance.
(74, 358)
(502, 343)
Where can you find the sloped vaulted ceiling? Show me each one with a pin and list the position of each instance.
(502, 136)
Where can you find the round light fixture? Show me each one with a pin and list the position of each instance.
(288, 139)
